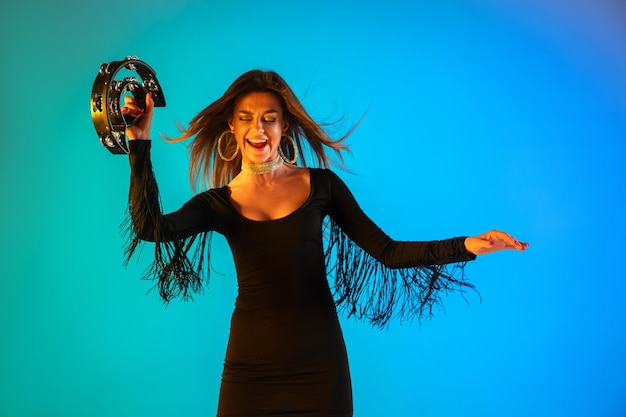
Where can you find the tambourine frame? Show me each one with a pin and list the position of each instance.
(107, 93)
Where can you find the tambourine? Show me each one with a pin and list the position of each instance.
(107, 100)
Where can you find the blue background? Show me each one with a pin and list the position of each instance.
(480, 114)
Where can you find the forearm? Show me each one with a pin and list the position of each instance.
(399, 254)
(145, 209)
(144, 206)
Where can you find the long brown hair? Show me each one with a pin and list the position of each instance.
(207, 169)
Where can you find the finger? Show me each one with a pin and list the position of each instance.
(130, 101)
(149, 109)
(517, 246)
(131, 107)
(509, 241)
(130, 111)
(149, 101)
(502, 240)
(514, 243)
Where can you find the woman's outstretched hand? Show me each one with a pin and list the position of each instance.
(141, 129)
(493, 241)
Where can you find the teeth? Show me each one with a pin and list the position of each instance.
(257, 140)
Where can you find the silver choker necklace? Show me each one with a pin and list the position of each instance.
(263, 168)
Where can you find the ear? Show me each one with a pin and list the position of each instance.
(230, 124)
(285, 126)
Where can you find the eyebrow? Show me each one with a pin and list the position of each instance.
(249, 112)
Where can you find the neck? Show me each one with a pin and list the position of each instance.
(262, 168)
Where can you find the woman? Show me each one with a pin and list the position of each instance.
(286, 354)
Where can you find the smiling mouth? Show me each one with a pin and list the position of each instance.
(257, 143)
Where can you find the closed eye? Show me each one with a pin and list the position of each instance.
(268, 117)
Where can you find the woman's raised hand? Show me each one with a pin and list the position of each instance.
(141, 129)
(493, 241)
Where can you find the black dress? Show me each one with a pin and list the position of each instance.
(286, 355)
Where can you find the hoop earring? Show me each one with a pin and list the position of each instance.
(295, 150)
(219, 146)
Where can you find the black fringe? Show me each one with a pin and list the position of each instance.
(367, 289)
(179, 264)
(363, 287)
(176, 273)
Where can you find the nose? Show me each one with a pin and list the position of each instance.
(259, 126)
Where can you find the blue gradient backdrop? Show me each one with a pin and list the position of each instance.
(480, 114)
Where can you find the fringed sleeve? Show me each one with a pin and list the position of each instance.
(181, 239)
(379, 279)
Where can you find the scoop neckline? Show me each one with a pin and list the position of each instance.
(301, 207)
